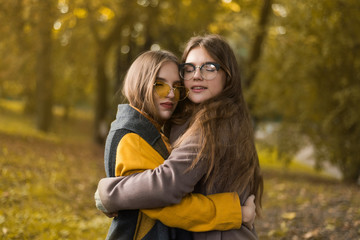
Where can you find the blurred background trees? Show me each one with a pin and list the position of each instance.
(301, 62)
(310, 80)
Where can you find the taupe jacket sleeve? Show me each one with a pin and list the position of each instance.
(163, 186)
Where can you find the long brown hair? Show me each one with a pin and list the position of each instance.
(226, 133)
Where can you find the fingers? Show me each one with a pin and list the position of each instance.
(249, 212)
(250, 201)
(249, 225)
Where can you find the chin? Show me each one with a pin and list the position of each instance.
(198, 100)
(166, 116)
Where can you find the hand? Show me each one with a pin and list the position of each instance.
(248, 212)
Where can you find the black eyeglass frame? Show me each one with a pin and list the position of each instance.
(182, 66)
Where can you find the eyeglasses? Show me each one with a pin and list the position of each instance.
(208, 70)
(163, 90)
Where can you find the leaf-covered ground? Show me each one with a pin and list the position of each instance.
(301, 206)
(47, 184)
(47, 181)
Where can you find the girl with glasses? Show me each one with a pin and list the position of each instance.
(135, 143)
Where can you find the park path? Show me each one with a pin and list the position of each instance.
(306, 157)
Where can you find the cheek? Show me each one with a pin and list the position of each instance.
(222, 82)
(156, 100)
(218, 85)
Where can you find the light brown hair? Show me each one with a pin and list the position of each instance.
(226, 133)
(140, 78)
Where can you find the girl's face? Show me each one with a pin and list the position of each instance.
(166, 104)
(200, 88)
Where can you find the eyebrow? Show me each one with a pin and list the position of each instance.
(201, 63)
(164, 80)
(161, 79)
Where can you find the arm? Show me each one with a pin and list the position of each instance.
(199, 213)
(209, 220)
(173, 215)
(215, 212)
(165, 185)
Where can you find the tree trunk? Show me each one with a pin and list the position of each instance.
(101, 104)
(256, 49)
(44, 78)
(102, 82)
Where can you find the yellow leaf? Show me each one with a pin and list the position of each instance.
(106, 13)
(311, 234)
(289, 215)
(80, 12)
(232, 6)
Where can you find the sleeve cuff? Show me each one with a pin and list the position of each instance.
(98, 203)
(229, 214)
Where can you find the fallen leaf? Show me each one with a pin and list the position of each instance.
(311, 234)
(330, 227)
(289, 215)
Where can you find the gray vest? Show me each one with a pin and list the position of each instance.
(129, 120)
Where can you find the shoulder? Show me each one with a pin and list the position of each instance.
(130, 120)
(177, 130)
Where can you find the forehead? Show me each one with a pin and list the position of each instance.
(169, 72)
(199, 55)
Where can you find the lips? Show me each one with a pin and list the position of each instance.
(198, 89)
(167, 105)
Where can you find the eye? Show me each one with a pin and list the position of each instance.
(176, 85)
(188, 68)
(159, 83)
(209, 67)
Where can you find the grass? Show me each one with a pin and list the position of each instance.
(48, 181)
(270, 161)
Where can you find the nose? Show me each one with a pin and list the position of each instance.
(197, 74)
(171, 93)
